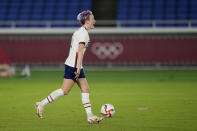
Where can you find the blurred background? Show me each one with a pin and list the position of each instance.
(129, 34)
(142, 58)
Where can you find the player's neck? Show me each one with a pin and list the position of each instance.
(86, 27)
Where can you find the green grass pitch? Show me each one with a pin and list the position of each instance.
(170, 96)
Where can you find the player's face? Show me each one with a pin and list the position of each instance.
(91, 22)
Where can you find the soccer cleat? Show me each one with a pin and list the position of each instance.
(95, 119)
(39, 109)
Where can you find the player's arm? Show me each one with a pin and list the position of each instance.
(80, 58)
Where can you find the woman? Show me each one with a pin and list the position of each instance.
(74, 70)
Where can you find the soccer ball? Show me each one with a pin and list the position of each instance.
(107, 110)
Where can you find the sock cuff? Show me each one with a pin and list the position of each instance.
(85, 95)
(60, 91)
(55, 94)
(85, 99)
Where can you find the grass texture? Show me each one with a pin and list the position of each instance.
(170, 98)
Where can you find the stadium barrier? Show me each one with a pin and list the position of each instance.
(103, 50)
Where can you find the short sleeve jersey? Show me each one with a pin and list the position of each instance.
(80, 35)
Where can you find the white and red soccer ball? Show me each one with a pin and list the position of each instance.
(107, 110)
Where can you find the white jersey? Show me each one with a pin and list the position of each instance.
(81, 35)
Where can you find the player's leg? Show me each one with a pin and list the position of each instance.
(83, 85)
(66, 87)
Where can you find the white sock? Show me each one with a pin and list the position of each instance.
(86, 104)
(52, 97)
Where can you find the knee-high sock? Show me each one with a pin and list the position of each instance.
(52, 97)
(86, 104)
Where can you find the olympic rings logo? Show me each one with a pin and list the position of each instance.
(107, 50)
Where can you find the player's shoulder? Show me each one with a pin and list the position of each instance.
(82, 30)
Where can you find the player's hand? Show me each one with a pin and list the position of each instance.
(77, 74)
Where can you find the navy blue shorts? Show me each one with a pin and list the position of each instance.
(69, 73)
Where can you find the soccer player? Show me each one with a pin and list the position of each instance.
(5, 69)
(74, 70)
